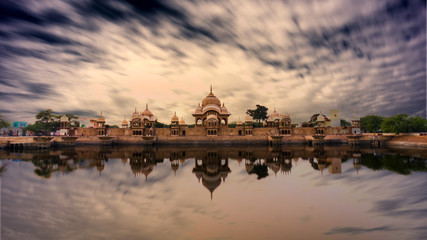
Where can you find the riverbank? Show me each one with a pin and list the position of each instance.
(407, 140)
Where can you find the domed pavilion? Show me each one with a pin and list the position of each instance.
(211, 115)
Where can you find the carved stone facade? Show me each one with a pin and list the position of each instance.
(143, 123)
(211, 115)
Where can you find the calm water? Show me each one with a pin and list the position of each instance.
(214, 193)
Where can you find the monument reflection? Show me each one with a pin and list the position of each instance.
(242, 192)
(211, 164)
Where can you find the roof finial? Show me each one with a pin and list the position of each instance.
(211, 88)
(146, 106)
(101, 113)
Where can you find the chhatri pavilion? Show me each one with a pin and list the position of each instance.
(211, 115)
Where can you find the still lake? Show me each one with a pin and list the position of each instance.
(214, 193)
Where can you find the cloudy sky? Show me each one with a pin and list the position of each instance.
(303, 57)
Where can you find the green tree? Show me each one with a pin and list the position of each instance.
(36, 127)
(47, 121)
(74, 120)
(344, 123)
(402, 123)
(371, 123)
(417, 124)
(259, 113)
(395, 124)
(3, 122)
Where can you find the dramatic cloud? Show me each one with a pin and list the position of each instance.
(361, 57)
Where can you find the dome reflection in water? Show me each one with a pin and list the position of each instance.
(214, 192)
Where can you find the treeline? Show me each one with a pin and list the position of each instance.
(400, 123)
(48, 122)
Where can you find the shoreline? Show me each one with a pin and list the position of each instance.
(29, 142)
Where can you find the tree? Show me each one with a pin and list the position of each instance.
(3, 122)
(395, 124)
(260, 113)
(73, 120)
(46, 121)
(344, 123)
(402, 123)
(417, 124)
(371, 123)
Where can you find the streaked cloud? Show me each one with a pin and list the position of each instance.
(302, 57)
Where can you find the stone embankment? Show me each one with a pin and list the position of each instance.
(407, 140)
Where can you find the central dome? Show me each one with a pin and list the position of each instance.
(211, 99)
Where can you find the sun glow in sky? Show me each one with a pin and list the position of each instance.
(84, 57)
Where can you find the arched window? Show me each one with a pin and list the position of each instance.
(183, 132)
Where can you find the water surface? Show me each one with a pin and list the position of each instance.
(214, 193)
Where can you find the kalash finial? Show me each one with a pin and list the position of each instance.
(211, 88)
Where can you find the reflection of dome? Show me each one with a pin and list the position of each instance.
(211, 99)
(175, 167)
(286, 166)
(211, 183)
(357, 166)
(248, 118)
(100, 168)
(249, 168)
(146, 111)
(322, 166)
(212, 168)
(174, 118)
(275, 167)
(64, 118)
(182, 122)
(147, 170)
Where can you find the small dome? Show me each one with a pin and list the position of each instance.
(274, 114)
(64, 118)
(211, 99)
(239, 122)
(135, 114)
(248, 118)
(182, 122)
(146, 111)
(175, 167)
(174, 118)
(125, 122)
